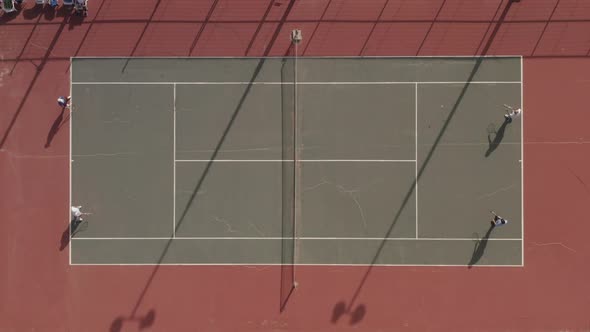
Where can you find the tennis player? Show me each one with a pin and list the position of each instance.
(64, 101)
(512, 113)
(498, 221)
(76, 214)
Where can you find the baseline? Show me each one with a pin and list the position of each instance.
(291, 83)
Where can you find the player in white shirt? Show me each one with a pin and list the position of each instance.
(77, 214)
(498, 221)
(512, 113)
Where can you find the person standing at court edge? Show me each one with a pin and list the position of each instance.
(63, 101)
(76, 214)
(512, 113)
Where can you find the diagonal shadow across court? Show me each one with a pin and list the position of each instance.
(423, 166)
(118, 322)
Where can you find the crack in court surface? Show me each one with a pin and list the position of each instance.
(351, 194)
(225, 223)
(488, 195)
(256, 229)
(323, 182)
(580, 180)
(554, 244)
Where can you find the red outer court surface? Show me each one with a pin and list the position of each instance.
(39, 291)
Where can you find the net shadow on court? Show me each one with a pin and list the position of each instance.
(288, 180)
(469, 80)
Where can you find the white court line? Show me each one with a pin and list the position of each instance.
(328, 57)
(300, 160)
(522, 161)
(305, 264)
(450, 57)
(299, 83)
(174, 164)
(416, 155)
(300, 238)
(70, 166)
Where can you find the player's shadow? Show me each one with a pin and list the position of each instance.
(49, 13)
(73, 228)
(75, 20)
(498, 137)
(356, 315)
(143, 321)
(63, 11)
(7, 17)
(59, 121)
(480, 248)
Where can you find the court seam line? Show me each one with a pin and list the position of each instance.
(416, 155)
(300, 238)
(174, 165)
(291, 83)
(299, 160)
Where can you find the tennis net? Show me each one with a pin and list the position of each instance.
(289, 194)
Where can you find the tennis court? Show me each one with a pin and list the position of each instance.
(306, 161)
